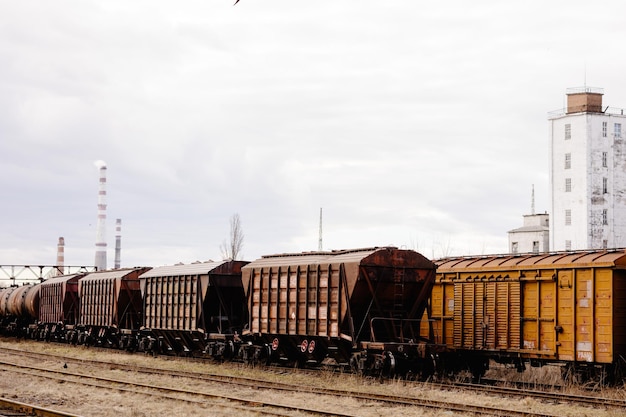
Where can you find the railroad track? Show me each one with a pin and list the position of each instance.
(18, 409)
(170, 393)
(387, 399)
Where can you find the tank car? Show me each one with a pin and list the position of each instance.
(5, 317)
(198, 308)
(23, 307)
(358, 308)
(563, 308)
(110, 312)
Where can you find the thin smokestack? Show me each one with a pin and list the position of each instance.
(61, 257)
(118, 242)
(101, 244)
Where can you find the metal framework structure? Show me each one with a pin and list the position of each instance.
(13, 275)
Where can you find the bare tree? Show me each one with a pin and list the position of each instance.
(232, 248)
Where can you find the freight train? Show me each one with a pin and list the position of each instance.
(378, 311)
(351, 308)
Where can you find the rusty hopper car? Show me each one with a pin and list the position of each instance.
(110, 308)
(195, 308)
(359, 307)
(58, 307)
(537, 308)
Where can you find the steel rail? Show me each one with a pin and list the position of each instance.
(32, 410)
(258, 384)
(123, 386)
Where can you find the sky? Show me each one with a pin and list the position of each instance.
(418, 125)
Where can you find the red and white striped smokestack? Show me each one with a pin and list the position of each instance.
(118, 242)
(101, 244)
(61, 257)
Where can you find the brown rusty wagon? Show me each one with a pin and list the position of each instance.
(353, 307)
(194, 308)
(58, 307)
(110, 308)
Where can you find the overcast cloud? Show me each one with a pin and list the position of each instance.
(420, 125)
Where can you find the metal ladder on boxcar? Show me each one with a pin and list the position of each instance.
(398, 302)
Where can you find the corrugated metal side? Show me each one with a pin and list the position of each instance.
(58, 299)
(296, 300)
(619, 312)
(604, 315)
(570, 304)
(339, 294)
(98, 302)
(172, 302)
(590, 320)
(107, 297)
(441, 314)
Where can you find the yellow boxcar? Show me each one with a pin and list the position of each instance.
(557, 307)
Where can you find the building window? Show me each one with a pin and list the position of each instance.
(617, 130)
(568, 185)
(605, 157)
(605, 244)
(514, 247)
(568, 245)
(605, 185)
(568, 160)
(604, 129)
(568, 131)
(535, 246)
(605, 216)
(568, 217)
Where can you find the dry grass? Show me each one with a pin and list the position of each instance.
(98, 402)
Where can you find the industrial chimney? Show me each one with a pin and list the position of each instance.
(101, 244)
(118, 242)
(61, 257)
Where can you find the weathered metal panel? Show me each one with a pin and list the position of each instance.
(604, 323)
(58, 300)
(5, 293)
(336, 294)
(172, 302)
(17, 299)
(565, 323)
(111, 298)
(584, 316)
(200, 297)
(571, 304)
(31, 302)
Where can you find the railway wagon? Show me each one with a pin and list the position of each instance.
(22, 307)
(566, 308)
(5, 318)
(24, 301)
(194, 308)
(359, 307)
(110, 311)
(5, 293)
(58, 307)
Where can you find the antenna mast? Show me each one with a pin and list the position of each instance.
(532, 203)
(319, 243)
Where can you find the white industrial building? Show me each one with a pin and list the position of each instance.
(534, 236)
(587, 173)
